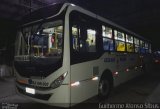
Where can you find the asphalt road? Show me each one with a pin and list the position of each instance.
(139, 90)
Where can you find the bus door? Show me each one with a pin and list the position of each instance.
(83, 57)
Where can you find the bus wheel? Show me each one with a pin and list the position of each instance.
(104, 88)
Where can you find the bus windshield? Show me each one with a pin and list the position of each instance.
(40, 47)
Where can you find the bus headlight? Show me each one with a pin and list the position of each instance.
(56, 83)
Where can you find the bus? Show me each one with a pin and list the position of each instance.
(66, 54)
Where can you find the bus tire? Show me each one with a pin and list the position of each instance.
(105, 86)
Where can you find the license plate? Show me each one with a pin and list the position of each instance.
(30, 90)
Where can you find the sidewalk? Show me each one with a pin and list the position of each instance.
(8, 92)
(155, 96)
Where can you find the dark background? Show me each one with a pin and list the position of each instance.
(139, 16)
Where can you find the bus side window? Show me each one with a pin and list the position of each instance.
(91, 40)
(75, 42)
(107, 38)
(129, 41)
(142, 47)
(120, 41)
(85, 42)
(136, 43)
(150, 48)
(146, 48)
(83, 38)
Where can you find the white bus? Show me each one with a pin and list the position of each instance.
(66, 55)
